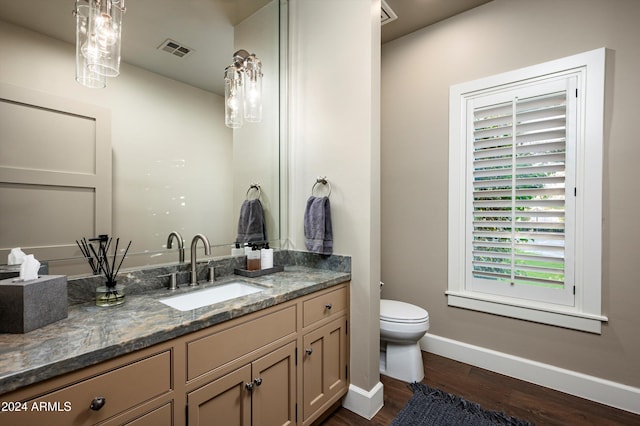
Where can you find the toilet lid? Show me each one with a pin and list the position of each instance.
(396, 311)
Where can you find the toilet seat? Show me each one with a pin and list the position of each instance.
(394, 311)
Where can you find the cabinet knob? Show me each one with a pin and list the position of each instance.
(328, 306)
(309, 351)
(97, 403)
(257, 381)
(249, 386)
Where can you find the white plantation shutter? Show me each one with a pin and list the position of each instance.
(525, 193)
(521, 191)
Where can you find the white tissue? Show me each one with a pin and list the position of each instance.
(29, 268)
(16, 257)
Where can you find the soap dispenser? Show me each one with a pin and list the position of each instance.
(266, 257)
(237, 250)
(253, 259)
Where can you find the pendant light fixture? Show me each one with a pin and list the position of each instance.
(243, 90)
(84, 75)
(98, 40)
(233, 97)
(253, 89)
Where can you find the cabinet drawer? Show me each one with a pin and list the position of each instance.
(324, 306)
(219, 348)
(122, 388)
(162, 416)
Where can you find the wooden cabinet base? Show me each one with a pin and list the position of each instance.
(284, 365)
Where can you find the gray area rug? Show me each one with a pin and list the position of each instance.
(433, 407)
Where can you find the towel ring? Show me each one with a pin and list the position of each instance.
(255, 186)
(324, 181)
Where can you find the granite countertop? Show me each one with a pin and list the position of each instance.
(93, 334)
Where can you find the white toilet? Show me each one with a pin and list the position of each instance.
(401, 326)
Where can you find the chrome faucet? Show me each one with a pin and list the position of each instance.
(180, 244)
(207, 251)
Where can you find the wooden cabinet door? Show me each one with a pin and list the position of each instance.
(274, 390)
(324, 366)
(225, 401)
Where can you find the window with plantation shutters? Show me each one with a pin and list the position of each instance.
(525, 193)
(521, 191)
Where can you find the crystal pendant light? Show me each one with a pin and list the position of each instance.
(84, 75)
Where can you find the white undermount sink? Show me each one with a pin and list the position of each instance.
(220, 293)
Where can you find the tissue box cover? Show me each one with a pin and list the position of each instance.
(27, 305)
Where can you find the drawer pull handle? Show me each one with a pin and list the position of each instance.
(249, 386)
(328, 306)
(309, 351)
(258, 381)
(97, 403)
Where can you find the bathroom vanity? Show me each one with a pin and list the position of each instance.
(275, 357)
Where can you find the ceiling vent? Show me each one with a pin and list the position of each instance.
(175, 48)
(386, 14)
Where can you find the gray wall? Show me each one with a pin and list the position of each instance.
(417, 71)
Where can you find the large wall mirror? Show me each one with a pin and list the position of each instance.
(174, 165)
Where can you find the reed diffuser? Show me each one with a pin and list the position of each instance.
(111, 293)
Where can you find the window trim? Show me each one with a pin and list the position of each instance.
(586, 315)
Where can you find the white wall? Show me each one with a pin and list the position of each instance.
(334, 132)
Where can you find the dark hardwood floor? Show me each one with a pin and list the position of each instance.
(492, 391)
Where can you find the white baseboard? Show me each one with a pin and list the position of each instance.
(364, 403)
(582, 385)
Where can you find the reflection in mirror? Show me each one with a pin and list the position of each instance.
(148, 155)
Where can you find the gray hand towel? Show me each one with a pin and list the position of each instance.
(318, 234)
(251, 226)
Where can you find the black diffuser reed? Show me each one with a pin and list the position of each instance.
(98, 259)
